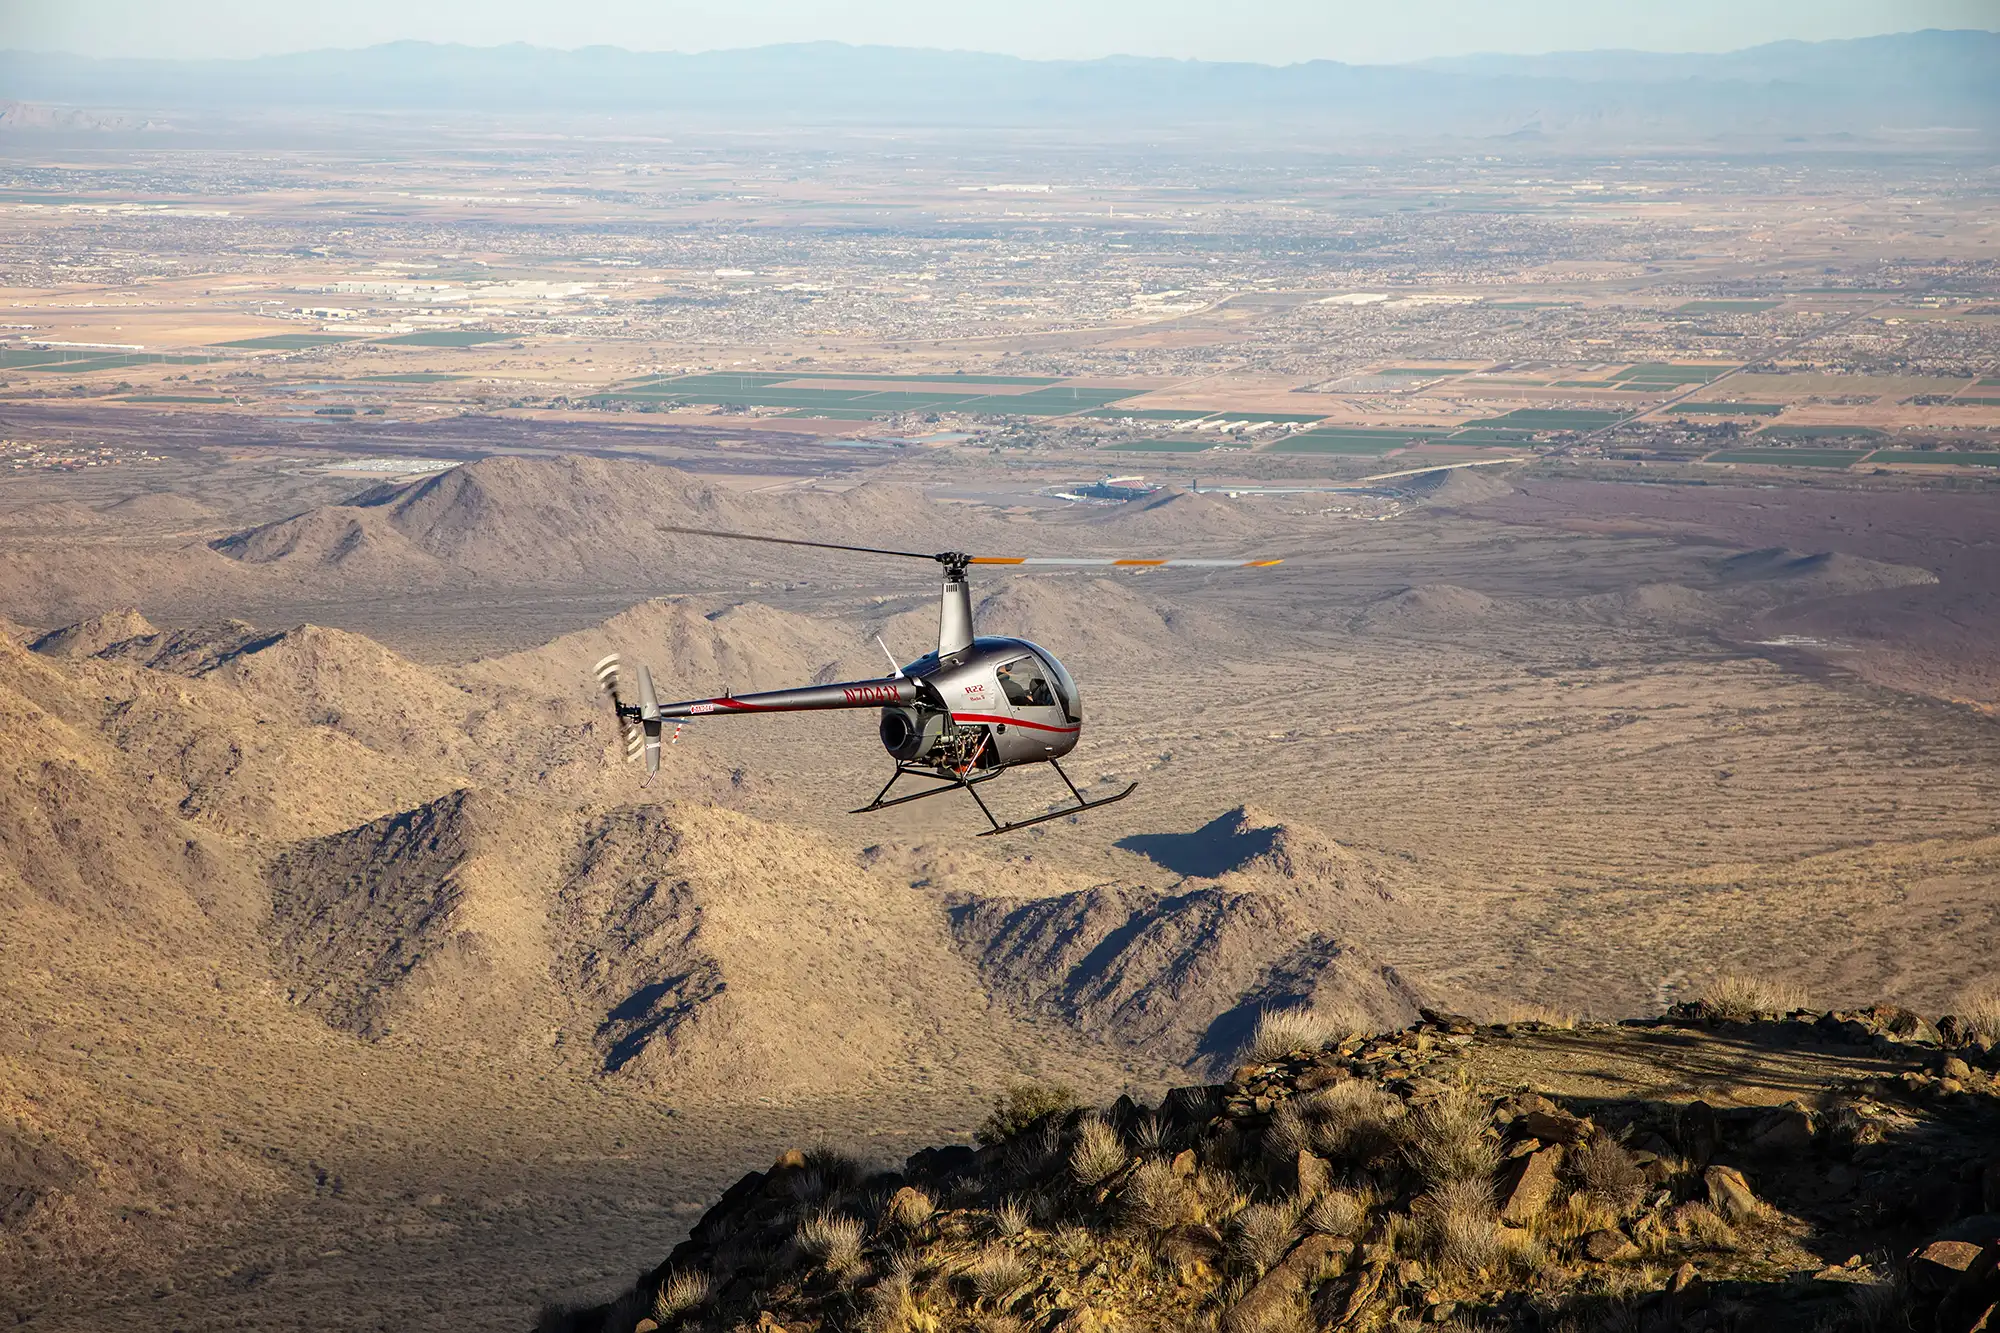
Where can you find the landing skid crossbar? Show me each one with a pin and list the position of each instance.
(955, 782)
(952, 782)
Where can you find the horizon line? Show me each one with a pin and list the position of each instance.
(998, 55)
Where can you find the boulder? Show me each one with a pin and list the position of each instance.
(1730, 1194)
(1699, 1132)
(1531, 1185)
(1553, 1126)
(1609, 1246)
(1314, 1175)
(1944, 1264)
(1686, 1292)
(1277, 1293)
(1789, 1129)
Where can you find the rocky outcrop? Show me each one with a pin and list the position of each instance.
(1389, 1181)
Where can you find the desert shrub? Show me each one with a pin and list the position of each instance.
(1461, 1228)
(1262, 1232)
(909, 1208)
(998, 1276)
(1606, 1172)
(680, 1293)
(1011, 1218)
(833, 1241)
(1020, 1106)
(1338, 1212)
(1352, 1122)
(1283, 1032)
(1098, 1153)
(1734, 996)
(1153, 1197)
(1447, 1141)
(1979, 1010)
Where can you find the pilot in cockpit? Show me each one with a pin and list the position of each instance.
(1024, 684)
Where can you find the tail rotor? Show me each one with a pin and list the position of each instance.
(638, 723)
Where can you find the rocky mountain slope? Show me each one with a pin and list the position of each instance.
(451, 866)
(1717, 1168)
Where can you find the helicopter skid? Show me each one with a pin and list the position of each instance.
(1076, 809)
(956, 782)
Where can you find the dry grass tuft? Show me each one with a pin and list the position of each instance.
(1030, 1156)
(1447, 1141)
(681, 1293)
(1735, 996)
(1574, 1218)
(1338, 1212)
(1154, 1198)
(1979, 1010)
(1880, 1305)
(998, 1276)
(1011, 1218)
(1697, 1223)
(833, 1241)
(1075, 1243)
(1461, 1226)
(1290, 1131)
(1283, 1032)
(892, 1302)
(1147, 1134)
(1533, 1013)
(1099, 1152)
(1263, 1232)
(1219, 1195)
(1352, 1122)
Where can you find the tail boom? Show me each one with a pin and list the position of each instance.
(877, 693)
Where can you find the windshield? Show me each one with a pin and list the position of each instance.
(1072, 706)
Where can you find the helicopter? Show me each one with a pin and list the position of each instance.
(958, 716)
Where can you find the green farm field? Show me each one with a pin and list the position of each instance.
(1791, 457)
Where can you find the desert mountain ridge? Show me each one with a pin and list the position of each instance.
(451, 866)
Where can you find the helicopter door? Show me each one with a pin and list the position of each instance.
(1026, 685)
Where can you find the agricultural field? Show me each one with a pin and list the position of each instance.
(1791, 457)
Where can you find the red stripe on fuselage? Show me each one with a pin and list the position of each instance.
(1010, 722)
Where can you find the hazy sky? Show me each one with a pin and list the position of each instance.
(1277, 31)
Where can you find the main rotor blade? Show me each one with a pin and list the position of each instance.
(946, 557)
(1172, 562)
(794, 541)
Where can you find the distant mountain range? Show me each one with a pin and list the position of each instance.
(1865, 87)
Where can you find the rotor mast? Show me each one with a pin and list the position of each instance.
(954, 606)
